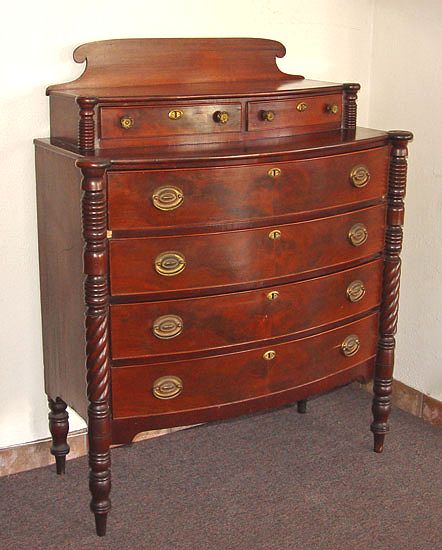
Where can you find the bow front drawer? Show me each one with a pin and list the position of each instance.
(214, 381)
(186, 197)
(156, 265)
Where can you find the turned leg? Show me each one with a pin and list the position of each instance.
(59, 428)
(97, 337)
(302, 406)
(383, 378)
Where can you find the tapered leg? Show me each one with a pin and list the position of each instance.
(59, 428)
(383, 378)
(302, 406)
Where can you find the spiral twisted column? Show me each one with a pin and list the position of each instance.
(383, 378)
(97, 336)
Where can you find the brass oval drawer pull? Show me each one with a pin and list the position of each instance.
(126, 122)
(175, 114)
(221, 116)
(360, 176)
(167, 387)
(301, 107)
(170, 263)
(274, 172)
(275, 234)
(167, 198)
(168, 326)
(332, 108)
(273, 295)
(358, 234)
(355, 291)
(268, 116)
(269, 355)
(350, 346)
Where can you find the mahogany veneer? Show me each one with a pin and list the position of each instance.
(240, 241)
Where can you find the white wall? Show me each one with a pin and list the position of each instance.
(406, 80)
(325, 39)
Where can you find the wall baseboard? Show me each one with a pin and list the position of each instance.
(36, 454)
(414, 402)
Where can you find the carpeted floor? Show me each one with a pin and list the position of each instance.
(274, 481)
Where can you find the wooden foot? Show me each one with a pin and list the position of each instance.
(100, 524)
(379, 443)
(302, 406)
(59, 428)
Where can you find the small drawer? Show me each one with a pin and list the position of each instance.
(169, 120)
(301, 112)
(180, 326)
(206, 382)
(225, 260)
(186, 197)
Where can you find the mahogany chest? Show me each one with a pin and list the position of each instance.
(216, 238)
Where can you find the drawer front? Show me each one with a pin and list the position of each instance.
(325, 110)
(198, 383)
(169, 120)
(195, 262)
(162, 198)
(179, 326)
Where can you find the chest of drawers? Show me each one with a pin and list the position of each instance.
(236, 235)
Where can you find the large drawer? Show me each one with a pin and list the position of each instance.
(169, 327)
(203, 196)
(239, 258)
(184, 385)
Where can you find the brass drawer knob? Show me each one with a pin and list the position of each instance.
(175, 114)
(274, 234)
(167, 387)
(332, 108)
(360, 176)
(221, 116)
(273, 295)
(167, 198)
(167, 327)
(301, 107)
(268, 116)
(170, 263)
(355, 291)
(350, 346)
(274, 172)
(358, 234)
(126, 122)
(269, 355)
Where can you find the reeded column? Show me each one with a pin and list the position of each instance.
(391, 280)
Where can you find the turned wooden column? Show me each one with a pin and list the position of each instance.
(59, 428)
(383, 378)
(97, 336)
(350, 107)
(86, 125)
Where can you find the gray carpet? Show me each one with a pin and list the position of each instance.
(273, 481)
